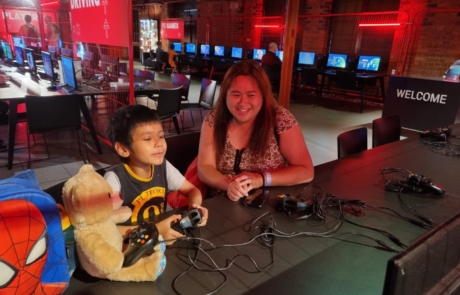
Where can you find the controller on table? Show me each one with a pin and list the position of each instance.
(189, 219)
(423, 184)
(288, 203)
(438, 134)
(142, 240)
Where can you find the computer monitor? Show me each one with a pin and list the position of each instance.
(190, 48)
(31, 60)
(68, 71)
(177, 47)
(306, 58)
(7, 50)
(19, 55)
(335, 60)
(237, 52)
(280, 54)
(204, 49)
(368, 63)
(258, 53)
(48, 65)
(17, 41)
(219, 50)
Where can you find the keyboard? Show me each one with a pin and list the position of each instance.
(329, 71)
(67, 89)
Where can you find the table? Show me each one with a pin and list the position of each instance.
(309, 264)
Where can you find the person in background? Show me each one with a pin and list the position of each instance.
(248, 140)
(28, 31)
(144, 177)
(270, 59)
(158, 52)
(171, 56)
(52, 31)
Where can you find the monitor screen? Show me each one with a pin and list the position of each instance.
(68, 72)
(368, 63)
(204, 49)
(19, 55)
(177, 47)
(31, 60)
(237, 52)
(190, 48)
(337, 60)
(258, 53)
(7, 50)
(280, 54)
(306, 58)
(219, 50)
(17, 41)
(48, 64)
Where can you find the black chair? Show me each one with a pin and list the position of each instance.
(386, 130)
(184, 81)
(184, 63)
(206, 101)
(53, 113)
(309, 77)
(143, 97)
(182, 150)
(347, 83)
(218, 66)
(229, 63)
(164, 60)
(274, 76)
(200, 64)
(351, 142)
(169, 105)
(148, 60)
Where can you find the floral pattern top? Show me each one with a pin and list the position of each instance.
(273, 159)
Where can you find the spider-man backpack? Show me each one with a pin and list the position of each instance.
(32, 250)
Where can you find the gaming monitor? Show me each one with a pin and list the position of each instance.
(68, 71)
(204, 49)
(337, 60)
(177, 47)
(258, 53)
(8, 53)
(31, 60)
(368, 63)
(237, 52)
(219, 50)
(17, 41)
(190, 48)
(19, 55)
(48, 65)
(280, 54)
(306, 58)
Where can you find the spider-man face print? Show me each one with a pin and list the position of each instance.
(23, 247)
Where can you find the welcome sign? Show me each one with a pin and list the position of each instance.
(422, 103)
(100, 21)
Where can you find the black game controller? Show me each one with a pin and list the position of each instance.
(189, 219)
(423, 184)
(289, 204)
(141, 242)
(438, 134)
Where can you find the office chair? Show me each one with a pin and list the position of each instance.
(206, 101)
(184, 63)
(169, 105)
(309, 77)
(346, 82)
(53, 113)
(217, 66)
(274, 77)
(351, 142)
(386, 130)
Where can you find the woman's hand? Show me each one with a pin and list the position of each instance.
(164, 228)
(239, 187)
(256, 178)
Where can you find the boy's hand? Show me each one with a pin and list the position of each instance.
(164, 228)
(203, 212)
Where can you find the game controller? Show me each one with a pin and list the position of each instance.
(438, 134)
(424, 184)
(290, 204)
(141, 242)
(189, 219)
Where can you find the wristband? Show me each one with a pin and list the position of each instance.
(263, 178)
(268, 178)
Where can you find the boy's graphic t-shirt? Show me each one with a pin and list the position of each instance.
(145, 196)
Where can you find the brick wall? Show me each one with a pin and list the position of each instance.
(314, 32)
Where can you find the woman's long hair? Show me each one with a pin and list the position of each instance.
(265, 121)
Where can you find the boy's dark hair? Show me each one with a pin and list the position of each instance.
(27, 18)
(125, 120)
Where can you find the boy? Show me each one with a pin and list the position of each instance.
(144, 178)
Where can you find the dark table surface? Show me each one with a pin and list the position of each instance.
(310, 265)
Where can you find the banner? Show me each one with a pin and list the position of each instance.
(422, 103)
(172, 30)
(100, 21)
(15, 19)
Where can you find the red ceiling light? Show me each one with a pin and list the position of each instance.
(379, 25)
(50, 3)
(269, 26)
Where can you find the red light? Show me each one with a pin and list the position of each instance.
(379, 25)
(50, 3)
(268, 26)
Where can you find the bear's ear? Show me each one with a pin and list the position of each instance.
(86, 168)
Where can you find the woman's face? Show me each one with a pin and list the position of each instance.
(244, 99)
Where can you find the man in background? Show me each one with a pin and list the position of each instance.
(52, 31)
(28, 31)
(270, 59)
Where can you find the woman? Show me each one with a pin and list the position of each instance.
(248, 140)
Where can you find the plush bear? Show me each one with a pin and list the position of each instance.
(87, 200)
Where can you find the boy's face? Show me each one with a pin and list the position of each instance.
(148, 145)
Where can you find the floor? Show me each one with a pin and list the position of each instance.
(321, 122)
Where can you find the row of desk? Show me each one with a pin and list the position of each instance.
(16, 89)
(309, 265)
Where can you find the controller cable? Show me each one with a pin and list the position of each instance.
(400, 186)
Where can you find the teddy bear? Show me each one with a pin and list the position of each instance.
(87, 201)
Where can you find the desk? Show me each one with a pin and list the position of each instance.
(311, 265)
